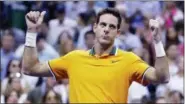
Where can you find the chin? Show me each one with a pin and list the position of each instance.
(104, 42)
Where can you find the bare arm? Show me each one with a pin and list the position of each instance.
(30, 63)
(159, 74)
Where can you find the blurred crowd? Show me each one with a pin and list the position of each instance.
(68, 26)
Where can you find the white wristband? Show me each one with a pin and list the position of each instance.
(31, 39)
(159, 49)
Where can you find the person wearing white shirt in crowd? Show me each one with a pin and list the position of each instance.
(176, 81)
(56, 26)
(127, 40)
(172, 54)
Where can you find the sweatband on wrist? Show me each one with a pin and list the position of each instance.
(31, 39)
(159, 49)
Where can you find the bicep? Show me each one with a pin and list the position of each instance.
(150, 75)
(41, 70)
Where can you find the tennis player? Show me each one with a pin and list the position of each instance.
(102, 74)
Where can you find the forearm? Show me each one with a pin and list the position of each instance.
(161, 63)
(159, 74)
(162, 69)
(30, 58)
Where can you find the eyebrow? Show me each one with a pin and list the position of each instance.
(103, 23)
(110, 24)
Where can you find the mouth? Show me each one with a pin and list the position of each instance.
(105, 37)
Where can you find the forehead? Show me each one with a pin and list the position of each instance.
(109, 19)
(15, 62)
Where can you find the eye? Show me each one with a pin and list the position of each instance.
(112, 26)
(102, 24)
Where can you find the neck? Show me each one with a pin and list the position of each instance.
(101, 49)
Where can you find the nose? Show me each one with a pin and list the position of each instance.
(106, 30)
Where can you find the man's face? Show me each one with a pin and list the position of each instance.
(172, 51)
(7, 42)
(106, 30)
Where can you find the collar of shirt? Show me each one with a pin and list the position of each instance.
(113, 52)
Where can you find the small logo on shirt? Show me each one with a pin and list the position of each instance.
(114, 61)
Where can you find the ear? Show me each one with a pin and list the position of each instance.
(94, 27)
(118, 32)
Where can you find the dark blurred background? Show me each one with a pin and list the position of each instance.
(68, 26)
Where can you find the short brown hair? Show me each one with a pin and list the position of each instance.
(112, 11)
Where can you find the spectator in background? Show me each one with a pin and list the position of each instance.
(136, 20)
(38, 6)
(56, 26)
(83, 20)
(171, 14)
(175, 97)
(14, 84)
(62, 88)
(65, 43)
(176, 81)
(181, 49)
(7, 51)
(12, 97)
(35, 95)
(125, 39)
(73, 8)
(171, 37)
(51, 97)
(91, 19)
(45, 50)
(83, 23)
(14, 66)
(179, 27)
(146, 7)
(172, 55)
(134, 97)
(89, 39)
(160, 100)
(97, 5)
(13, 69)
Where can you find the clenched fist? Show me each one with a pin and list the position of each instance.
(154, 26)
(34, 19)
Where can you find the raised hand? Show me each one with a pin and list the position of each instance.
(34, 19)
(154, 26)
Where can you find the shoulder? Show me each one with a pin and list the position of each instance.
(127, 55)
(75, 53)
(53, 22)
